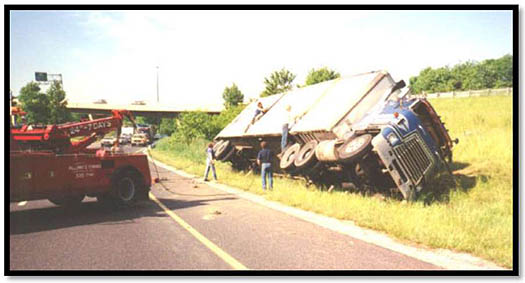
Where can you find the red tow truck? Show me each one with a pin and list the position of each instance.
(45, 162)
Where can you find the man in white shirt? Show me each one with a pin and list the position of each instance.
(288, 123)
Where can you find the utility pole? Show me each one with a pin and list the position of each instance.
(157, 84)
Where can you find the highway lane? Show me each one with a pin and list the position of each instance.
(43, 236)
(90, 236)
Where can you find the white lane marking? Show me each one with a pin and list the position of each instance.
(22, 203)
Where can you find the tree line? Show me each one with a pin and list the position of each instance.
(470, 75)
(45, 108)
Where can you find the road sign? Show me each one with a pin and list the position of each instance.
(40, 77)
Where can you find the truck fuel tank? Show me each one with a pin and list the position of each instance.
(326, 151)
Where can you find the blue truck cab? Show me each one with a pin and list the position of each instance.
(410, 150)
(408, 139)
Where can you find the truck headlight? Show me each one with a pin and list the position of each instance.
(392, 139)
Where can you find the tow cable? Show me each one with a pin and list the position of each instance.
(158, 179)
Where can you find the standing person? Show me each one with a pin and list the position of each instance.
(264, 159)
(210, 162)
(289, 121)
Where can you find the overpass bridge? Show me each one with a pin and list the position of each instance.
(148, 110)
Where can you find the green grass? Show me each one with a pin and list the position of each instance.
(475, 217)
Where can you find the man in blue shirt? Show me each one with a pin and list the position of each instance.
(264, 159)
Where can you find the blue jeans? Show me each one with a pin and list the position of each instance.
(266, 170)
(284, 138)
(208, 165)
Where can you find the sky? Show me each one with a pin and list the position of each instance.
(114, 55)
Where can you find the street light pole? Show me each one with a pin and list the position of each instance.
(157, 84)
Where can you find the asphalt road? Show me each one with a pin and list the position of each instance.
(145, 237)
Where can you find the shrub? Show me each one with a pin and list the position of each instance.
(194, 125)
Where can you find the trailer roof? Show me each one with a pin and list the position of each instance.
(317, 107)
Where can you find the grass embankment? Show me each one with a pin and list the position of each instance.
(475, 217)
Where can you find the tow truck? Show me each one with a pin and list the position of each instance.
(54, 162)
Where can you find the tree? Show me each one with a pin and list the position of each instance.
(35, 103)
(140, 120)
(320, 75)
(504, 70)
(279, 81)
(193, 125)
(167, 126)
(226, 116)
(58, 113)
(45, 108)
(232, 96)
(489, 73)
(152, 120)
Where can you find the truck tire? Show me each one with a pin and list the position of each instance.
(69, 200)
(216, 145)
(288, 158)
(127, 189)
(222, 150)
(355, 148)
(306, 157)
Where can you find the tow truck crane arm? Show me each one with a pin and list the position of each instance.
(58, 137)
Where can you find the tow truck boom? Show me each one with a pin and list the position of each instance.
(58, 137)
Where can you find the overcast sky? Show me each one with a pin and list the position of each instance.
(114, 55)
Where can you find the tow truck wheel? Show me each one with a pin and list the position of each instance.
(306, 156)
(222, 150)
(127, 188)
(288, 158)
(67, 200)
(355, 148)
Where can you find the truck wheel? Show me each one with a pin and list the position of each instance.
(128, 187)
(355, 148)
(288, 158)
(217, 144)
(306, 156)
(67, 200)
(222, 150)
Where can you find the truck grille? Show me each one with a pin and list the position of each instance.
(414, 157)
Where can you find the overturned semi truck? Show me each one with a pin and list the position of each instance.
(366, 129)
